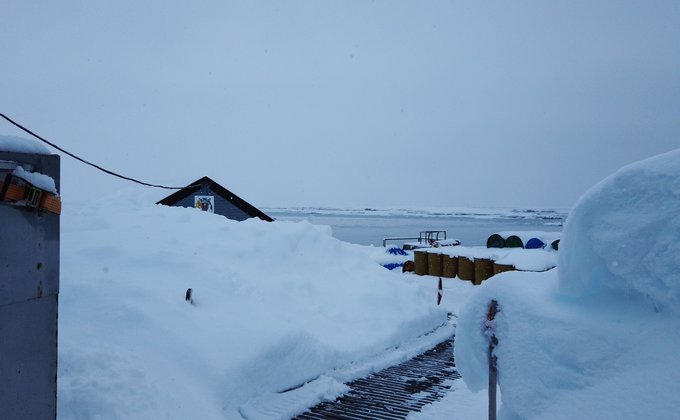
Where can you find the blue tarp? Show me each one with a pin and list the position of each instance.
(534, 243)
(395, 250)
(392, 266)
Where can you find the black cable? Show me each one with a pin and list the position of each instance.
(83, 160)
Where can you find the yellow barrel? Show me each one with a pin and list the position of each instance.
(501, 268)
(466, 269)
(449, 266)
(420, 262)
(483, 269)
(434, 264)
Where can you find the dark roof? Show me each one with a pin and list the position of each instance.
(242, 204)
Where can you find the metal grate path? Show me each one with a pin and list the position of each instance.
(394, 392)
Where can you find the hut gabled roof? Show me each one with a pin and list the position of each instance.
(234, 199)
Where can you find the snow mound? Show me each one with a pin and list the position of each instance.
(276, 305)
(582, 342)
(569, 359)
(623, 234)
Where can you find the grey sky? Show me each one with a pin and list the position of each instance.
(348, 103)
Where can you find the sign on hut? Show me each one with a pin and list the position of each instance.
(207, 195)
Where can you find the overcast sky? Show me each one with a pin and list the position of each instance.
(347, 103)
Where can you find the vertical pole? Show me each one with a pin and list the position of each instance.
(440, 292)
(493, 380)
(493, 359)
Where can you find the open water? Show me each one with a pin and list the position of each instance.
(372, 229)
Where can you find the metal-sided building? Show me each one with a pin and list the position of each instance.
(29, 284)
(208, 195)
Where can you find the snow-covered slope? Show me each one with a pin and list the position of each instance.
(598, 338)
(276, 305)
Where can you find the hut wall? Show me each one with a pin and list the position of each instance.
(222, 206)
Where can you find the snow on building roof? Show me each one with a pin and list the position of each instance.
(22, 145)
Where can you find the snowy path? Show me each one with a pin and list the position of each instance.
(394, 392)
(420, 368)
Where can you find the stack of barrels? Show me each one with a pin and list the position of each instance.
(439, 262)
(472, 269)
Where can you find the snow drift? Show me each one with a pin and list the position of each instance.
(596, 338)
(275, 306)
(624, 234)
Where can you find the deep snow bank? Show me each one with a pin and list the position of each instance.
(276, 304)
(584, 342)
(624, 234)
(558, 358)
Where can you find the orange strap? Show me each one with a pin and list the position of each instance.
(43, 200)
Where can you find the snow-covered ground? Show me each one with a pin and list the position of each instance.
(276, 306)
(598, 337)
(283, 313)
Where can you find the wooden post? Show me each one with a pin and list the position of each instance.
(493, 379)
(493, 359)
(440, 292)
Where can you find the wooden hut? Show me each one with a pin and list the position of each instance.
(207, 195)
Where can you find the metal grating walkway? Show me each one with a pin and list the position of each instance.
(394, 392)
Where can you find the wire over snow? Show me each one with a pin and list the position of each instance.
(127, 178)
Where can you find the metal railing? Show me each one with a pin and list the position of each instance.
(397, 239)
(426, 236)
